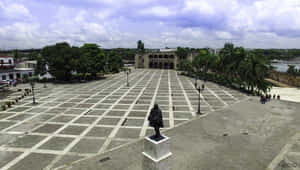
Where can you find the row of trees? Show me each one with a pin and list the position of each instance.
(66, 62)
(280, 54)
(233, 66)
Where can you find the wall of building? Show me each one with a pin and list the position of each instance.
(14, 75)
(156, 59)
(26, 64)
(10, 71)
(6, 61)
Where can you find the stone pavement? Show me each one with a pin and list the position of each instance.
(289, 157)
(76, 121)
(288, 94)
(245, 136)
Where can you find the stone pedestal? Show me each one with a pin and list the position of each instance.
(157, 155)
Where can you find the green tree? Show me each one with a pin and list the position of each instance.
(33, 55)
(140, 46)
(256, 69)
(18, 56)
(114, 61)
(182, 53)
(40, 66)
(226, 60)
(91, 60)
(59, 58)
(292, 70)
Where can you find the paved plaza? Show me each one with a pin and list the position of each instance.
(73, 122)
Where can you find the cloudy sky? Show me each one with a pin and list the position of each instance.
(159, 23)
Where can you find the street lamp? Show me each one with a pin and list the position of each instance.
(196, 78)
(32, 87)
(127, 73)
(199, 90)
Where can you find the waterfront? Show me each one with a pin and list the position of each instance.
(282, 66)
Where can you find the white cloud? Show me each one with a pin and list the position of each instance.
(15, 11)
(120, 23)
(201, 6)
(158, 11)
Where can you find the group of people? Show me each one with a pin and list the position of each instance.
(13, 83)
(268, 97)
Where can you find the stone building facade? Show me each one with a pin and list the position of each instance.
(159, 59)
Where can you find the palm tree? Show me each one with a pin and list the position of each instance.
(256, 70)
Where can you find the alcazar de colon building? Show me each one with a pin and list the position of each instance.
(159, 59)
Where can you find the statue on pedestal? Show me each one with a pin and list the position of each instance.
(156, 121)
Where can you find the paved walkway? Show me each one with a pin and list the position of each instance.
(244, 136)
(73, 122)
(289, 156)
(288, 94)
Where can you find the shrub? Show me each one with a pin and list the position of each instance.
(3, 107)
(8, 104)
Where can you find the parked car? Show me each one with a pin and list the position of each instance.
(4, 85)
(4, 82)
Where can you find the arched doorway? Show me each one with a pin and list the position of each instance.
(166, 66)
(160, 65)
(150, 65)
(171, 65)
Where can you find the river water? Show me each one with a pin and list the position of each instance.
(282, 66)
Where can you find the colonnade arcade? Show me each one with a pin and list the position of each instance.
(162, 61)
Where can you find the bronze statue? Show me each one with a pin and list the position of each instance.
(156, 121)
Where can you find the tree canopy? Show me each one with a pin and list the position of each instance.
(233, 66)
(65, 61)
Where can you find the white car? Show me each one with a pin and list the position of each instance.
(4, 82)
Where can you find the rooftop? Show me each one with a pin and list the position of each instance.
(5, 56)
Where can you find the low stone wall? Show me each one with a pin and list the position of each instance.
(286, 79)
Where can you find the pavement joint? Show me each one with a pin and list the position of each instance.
(95, 113)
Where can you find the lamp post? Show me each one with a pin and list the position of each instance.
(32, 87)
(44, 73)
(127, 73)
(127, 79)
(199, 97)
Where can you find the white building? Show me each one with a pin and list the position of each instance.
(9, 70)
(6, 61)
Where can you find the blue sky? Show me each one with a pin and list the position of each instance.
(159, 23)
